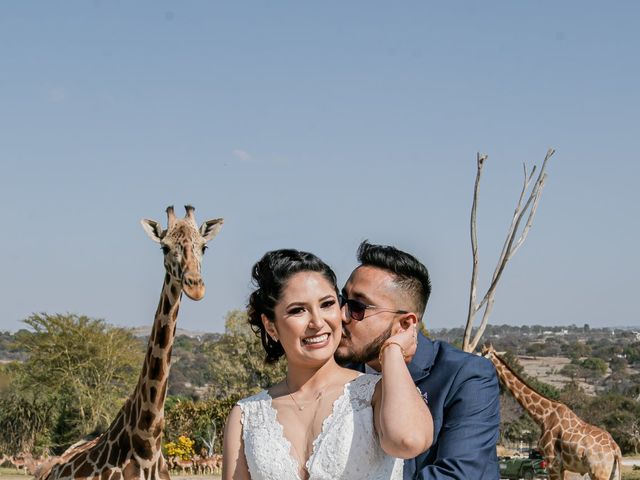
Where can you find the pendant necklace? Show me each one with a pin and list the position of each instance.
(300, 408)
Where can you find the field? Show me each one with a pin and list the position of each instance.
(546, 369)
(13, 474)
(628, 473)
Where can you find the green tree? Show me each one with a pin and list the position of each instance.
(632, 352)
(570, 370)
(535, 349)
(82, 366)
(524, 429)
(618, 415)
(574, 397)
(6, 377)
(592, 368)
(631, 428)
(618, 365)
(576, 350)
(200, 420)
(511, 359)
(24, 424)
(236, 361)
(596, 364)
(542, 388)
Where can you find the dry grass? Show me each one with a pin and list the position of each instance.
(547, 370)
(13, 474)
(195, 477)
(628, 473)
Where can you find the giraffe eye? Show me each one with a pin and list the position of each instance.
(165, 249)
(204, 247)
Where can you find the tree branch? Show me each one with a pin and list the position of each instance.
(509, 248)
(480, 159)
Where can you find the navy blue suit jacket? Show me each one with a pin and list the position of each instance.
(463, 395)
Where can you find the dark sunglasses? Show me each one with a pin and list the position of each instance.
(357, 309)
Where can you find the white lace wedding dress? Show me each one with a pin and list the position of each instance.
(346, 448)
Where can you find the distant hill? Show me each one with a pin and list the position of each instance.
(145, 330)
(553, 355)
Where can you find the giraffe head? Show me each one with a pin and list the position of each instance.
(487, 349)
(183, 245)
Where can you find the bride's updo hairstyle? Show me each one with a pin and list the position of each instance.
(270, 275)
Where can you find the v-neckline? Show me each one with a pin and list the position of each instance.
(316, 441)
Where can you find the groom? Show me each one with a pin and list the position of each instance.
(385, 293)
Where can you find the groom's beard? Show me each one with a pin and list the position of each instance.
(348, 354)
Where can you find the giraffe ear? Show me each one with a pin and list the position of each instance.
(153, 229)
(210, 228)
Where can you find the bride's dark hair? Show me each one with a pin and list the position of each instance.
(270, 275)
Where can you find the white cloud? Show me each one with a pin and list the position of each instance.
(242, 155)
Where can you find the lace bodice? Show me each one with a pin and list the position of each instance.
(347, 446)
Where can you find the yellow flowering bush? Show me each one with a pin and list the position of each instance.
(182, 448)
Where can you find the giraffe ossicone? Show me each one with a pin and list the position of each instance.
(568, 443)
(131, 447)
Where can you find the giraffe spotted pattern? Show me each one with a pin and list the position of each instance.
(568, 443)
(131, 447)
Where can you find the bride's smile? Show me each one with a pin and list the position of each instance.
(316, 341)
(308, 318)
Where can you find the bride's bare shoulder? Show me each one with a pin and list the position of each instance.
(348, 374)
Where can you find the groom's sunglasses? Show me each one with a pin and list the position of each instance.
(357, 309)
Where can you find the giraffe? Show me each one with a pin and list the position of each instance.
(569, 443)
(131, 447)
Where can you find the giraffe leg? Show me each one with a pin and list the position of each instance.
(555, 473)
(554, 462)
(600, 472)
(554, 467)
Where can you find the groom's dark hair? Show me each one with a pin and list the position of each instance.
(410, 274)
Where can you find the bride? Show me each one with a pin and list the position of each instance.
(322, 421)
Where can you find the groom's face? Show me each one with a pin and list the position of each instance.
(362, 339)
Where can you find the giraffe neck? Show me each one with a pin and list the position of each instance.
(151, 390)
(537, 406)
(143, 413)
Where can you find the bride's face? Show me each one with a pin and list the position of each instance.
(308, 319)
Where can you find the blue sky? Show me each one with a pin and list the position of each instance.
(315, 126)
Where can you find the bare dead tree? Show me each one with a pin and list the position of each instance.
(209, 442)
(511, 245)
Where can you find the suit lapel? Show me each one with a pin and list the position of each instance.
(422, 361)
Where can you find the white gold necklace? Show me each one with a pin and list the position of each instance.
(300, 408)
